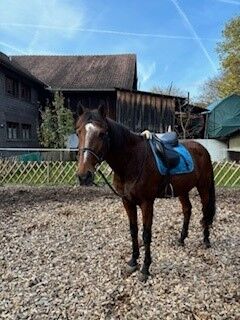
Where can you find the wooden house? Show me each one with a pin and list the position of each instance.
(20, 96)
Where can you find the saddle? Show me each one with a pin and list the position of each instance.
(171, 158)
(165, 149)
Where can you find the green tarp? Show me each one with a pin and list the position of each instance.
(34, 156)
(224, 117)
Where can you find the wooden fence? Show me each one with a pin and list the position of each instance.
(44, 173)
(227, 174)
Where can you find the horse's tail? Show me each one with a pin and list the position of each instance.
(210, 207)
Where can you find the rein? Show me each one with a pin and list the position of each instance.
(100, 159)
(136, 180)
(110, 186)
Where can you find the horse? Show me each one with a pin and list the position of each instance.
(137, 180)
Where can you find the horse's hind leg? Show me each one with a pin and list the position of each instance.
(147, 214)
(207, 196)
(187, 210)
(131, 209)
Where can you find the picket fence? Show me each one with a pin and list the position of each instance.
(13, 172)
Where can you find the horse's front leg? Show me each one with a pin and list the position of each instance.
(147, 213)
(187, 211)
(131, 209)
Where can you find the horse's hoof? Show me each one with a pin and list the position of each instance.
(207, 244)
(143, 277)
(131, 269)
(181, 242)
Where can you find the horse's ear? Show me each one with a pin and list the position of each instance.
(102, 111)
(80, 108)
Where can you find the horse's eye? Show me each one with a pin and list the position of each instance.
(101, 135)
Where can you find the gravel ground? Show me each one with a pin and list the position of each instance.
(63, 253)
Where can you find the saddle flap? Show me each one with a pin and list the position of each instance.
(172, 156)
(165, 149)
(170, 138)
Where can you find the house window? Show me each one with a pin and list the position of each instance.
(26, 131)
(12, 130)
(11, 87)
(25, 92)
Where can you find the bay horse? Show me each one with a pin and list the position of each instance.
(137, 179)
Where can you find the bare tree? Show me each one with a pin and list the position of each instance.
(169, 90)
(188, 124)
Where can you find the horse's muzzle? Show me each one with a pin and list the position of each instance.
(86, 179)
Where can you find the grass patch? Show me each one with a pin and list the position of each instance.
(227, 174)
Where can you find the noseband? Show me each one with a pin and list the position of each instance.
(100, 158)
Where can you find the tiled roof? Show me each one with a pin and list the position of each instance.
(82, 72)
(16, 67)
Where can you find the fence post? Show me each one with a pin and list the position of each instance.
(48, 172)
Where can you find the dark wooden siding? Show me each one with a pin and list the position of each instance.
(141, 110)
(17, 110)
(90, 100)
(137, 110)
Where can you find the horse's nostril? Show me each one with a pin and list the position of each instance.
(86, 179)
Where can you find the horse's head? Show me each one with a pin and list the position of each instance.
(92, 131)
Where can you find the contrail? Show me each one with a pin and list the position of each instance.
(4, 44)
(193, 32)
(121, 33)
(230, 2)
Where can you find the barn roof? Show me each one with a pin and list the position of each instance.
(82, 72)
(8, 63)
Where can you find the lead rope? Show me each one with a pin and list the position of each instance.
(111, 187)
(99, 159)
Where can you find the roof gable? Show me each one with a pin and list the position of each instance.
(10, 64)
(82, 72)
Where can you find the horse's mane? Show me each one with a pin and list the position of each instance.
(119, 134)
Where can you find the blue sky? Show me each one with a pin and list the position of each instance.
(174, 40)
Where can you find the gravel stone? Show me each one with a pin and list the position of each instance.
(63, 254)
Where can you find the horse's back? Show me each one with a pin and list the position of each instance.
(196, 148)
(201, 157)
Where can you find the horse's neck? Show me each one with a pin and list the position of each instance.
(123, 145)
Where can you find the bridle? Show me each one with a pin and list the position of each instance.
(100, 159)
(106, 144)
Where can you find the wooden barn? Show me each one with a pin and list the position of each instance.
(90, 80)
(104, 79)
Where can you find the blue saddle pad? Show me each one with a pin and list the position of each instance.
(185, 165)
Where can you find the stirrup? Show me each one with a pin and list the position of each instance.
(169, 192)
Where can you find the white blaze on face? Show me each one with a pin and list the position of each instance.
(90, 130)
